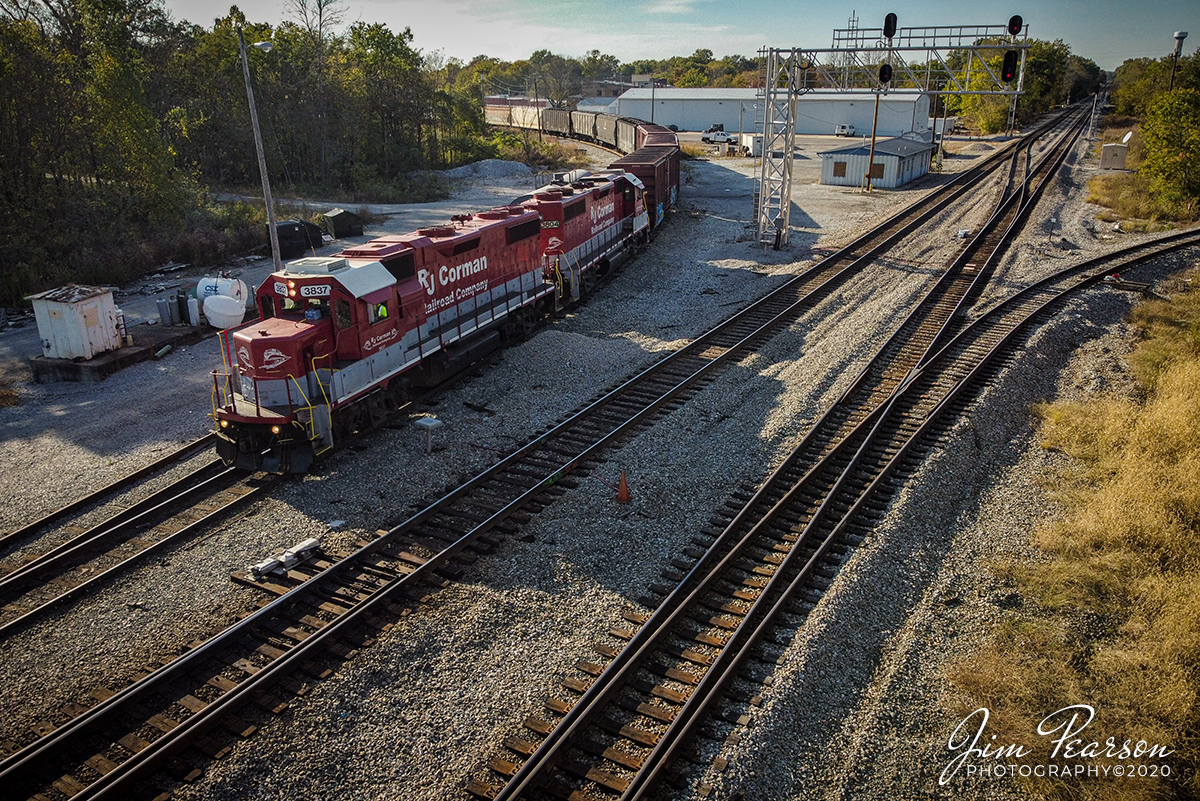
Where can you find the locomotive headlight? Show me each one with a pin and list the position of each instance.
(292, 292)
(224, 424)
(275, 429)
(291, 284)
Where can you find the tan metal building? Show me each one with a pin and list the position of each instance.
(897, 161)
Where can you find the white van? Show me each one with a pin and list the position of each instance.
(843, 130)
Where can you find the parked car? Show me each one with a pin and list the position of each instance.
(718, 138)
(843, 130)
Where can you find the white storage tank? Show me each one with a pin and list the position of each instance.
(76, 322)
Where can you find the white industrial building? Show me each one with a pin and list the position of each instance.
(741, 110)
(897, 161)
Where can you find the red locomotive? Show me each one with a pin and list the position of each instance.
(339, 339)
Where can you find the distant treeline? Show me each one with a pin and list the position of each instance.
(117, 120)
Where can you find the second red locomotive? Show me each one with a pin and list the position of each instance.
(339, 339)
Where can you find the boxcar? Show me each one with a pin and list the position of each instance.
(651, 135)
(658, 170)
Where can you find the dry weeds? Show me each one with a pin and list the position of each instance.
(1112, 616)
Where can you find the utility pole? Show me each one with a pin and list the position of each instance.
(871, 156)
(258, 146)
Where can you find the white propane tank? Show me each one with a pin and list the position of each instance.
(223, 311)
(193, 311)
(229, 287)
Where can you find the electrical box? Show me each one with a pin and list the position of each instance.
(1112, 156)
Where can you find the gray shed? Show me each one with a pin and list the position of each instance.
(897, 161)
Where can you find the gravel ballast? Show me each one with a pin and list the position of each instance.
(426, 706)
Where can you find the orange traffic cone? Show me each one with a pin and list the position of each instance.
(622, 490)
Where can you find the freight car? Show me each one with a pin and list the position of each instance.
(651, 151)
(339, 340)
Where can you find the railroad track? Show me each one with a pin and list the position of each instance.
(104, 494)
(172, 514)
(841, 428)
(626, 723)
(326, 608)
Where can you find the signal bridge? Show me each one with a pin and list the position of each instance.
(939, 60)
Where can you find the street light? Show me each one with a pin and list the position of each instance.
(1179, 37)
(258, 145)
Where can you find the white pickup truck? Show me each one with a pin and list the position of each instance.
(718, 138)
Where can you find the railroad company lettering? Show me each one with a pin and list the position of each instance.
(447, 275)
(602, 209)
(380, 340)
(450, 275)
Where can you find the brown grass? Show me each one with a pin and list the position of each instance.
(1132, 199)
(1112, 617)
(8, 394)
(692, 151)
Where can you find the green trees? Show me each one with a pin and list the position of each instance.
(1167, 185)
(1171, 134)
(113, 118)
(1053, 76)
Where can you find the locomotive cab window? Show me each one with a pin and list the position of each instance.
(268, 306)
(341, 314)
(378, 312)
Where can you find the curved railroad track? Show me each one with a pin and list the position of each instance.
(70, 570)
(325, 608)
(672, 671)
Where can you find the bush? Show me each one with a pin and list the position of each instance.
(546, 154)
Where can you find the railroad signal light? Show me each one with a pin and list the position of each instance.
(885, 73)
(1015, 24)
(1009, 69)
(889, 26)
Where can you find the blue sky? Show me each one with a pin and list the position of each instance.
(1106, 31)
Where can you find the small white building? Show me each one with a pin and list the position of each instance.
(1113, 155)
(897, 161)
(741, 110)
(76, 322)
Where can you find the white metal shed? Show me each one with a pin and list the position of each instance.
(897, 161)
(76, 322)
